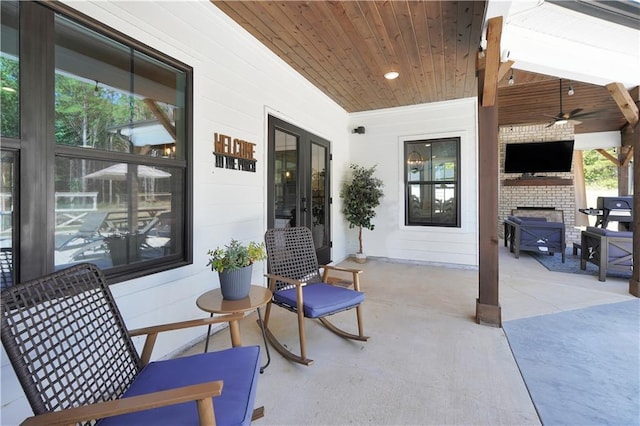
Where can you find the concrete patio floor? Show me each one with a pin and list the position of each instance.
(427, 361)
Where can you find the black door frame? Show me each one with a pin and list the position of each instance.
(303, 212)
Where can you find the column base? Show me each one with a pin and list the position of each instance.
(490, 315)
(634, 287)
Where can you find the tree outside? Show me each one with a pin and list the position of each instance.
(600, 172)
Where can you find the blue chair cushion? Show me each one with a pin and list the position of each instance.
(237, 367)
(610, 232)
(320, 299)
(525, 219)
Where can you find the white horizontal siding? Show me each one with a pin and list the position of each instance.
(236, 83)
(382, 144)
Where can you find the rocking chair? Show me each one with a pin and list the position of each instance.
(296, 284)
(77, 363)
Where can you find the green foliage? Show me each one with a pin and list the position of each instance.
(83, 115)
(598, 171)
(9, 97)
(235, 255)
(361, 196)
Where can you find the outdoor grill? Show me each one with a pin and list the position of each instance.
(615, 209)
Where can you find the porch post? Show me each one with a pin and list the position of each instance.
(630, 134)
(488, 310)
(634, 282)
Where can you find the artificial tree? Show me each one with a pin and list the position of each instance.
(361, 195)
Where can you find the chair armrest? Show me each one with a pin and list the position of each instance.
(152, 331)
(184, 324)
(333, 281)
(202, 393)
(340, 268)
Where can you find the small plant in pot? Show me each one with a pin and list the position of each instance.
(361, 196)
(234, 264)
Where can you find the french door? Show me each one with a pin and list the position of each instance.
(298, 179)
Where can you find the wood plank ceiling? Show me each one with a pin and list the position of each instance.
(535, 98)
(345, 47)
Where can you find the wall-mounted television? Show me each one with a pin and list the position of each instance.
(538, 157)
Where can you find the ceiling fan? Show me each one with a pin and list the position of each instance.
(563, 117)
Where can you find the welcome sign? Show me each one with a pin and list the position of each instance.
(234, 153)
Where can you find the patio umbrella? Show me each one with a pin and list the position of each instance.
(119, 172)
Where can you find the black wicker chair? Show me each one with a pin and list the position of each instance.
(6, 268)
(294, 279)
(77, 363)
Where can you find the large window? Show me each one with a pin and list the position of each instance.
(432, 176)
(9, 134)
(110, 148)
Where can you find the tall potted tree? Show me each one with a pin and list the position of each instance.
(361, 195)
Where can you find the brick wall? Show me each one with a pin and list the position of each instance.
(562, 197)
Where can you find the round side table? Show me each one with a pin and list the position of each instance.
(213, 302)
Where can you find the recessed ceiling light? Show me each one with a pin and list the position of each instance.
(391, 75)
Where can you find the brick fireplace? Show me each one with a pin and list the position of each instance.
(557, 192)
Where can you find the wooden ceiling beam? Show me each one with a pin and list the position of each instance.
(492, 64)
(161, 116)
(609, 157)
(625, 102)
(628, 157)
(504, 68)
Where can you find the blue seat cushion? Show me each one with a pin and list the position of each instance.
(320, 299)
(610, 232)
(237, 367)
(525, 219)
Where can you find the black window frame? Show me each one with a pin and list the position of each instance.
(38, 150)
(410, 149)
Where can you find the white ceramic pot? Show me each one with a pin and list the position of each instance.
(361, 257)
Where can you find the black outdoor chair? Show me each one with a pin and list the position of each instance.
(294, 279)
(607, 249)
(535, 234)
(76, 361)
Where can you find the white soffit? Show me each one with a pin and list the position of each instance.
(553, 40)
(602, 140)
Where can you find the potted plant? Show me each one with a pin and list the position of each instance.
(361, 196)
(124, 247)
(233, 263)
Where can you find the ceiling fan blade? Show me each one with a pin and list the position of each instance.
(587, 114)
(551, 124)
(574, 112)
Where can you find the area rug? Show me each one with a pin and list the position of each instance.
(571, 264)
(581, 367)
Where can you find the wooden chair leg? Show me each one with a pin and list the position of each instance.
(258, 413)
(301, 329)
(267, 314)
(206, 412)
(360, 324)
